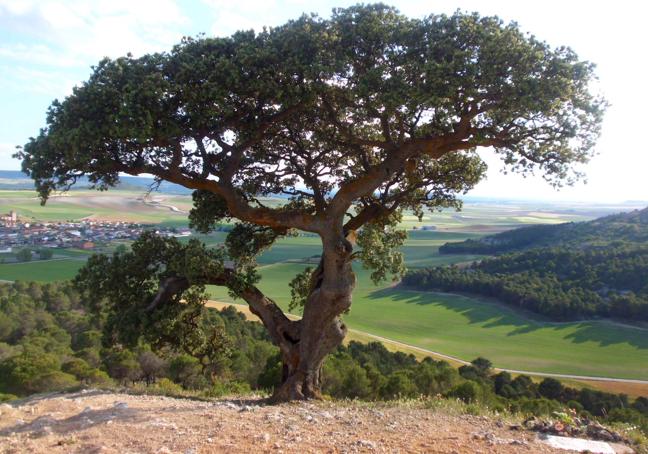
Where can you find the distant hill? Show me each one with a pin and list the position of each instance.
(567, 271)
(17, 180)
(624, 227)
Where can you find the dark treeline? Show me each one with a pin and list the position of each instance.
(50, 341)
(560, 283)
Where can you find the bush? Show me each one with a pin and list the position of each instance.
(232, 388)
(167, 387)
(271, 374)
(186, 370)
(467, 392)
(77, 367)
(399, 385)
(24, 255)
(550, 388)
(122, 365)
(45, 254)
(7, 397)
(54, 381)
(98, 377)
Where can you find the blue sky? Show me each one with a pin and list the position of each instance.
(48, 46)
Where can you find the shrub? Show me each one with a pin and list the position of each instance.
(7, 397)
(230, 388)
(24, 255)
(45, 254)
(399, 384)
(54, 381)
(467, 392)
(167, 387)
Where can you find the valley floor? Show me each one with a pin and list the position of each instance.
(98, 421)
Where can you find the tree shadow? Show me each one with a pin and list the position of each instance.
(492, 314)
(46, 424)
(119, 411)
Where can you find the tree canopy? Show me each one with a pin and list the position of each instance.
(354, 119)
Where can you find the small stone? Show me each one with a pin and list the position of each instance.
(366, 444)
(121, 405)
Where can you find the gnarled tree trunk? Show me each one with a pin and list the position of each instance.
(321, 330)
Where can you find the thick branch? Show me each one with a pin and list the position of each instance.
(283, 331)
(236, 204)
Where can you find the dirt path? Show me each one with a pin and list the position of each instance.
(101, 422)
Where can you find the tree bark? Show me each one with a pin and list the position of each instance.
(321, 330)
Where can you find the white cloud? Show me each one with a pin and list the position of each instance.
(55, 84)
(81, 32)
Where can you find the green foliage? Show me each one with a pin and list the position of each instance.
(232, 388)
(388, 107)
(24, 255)
(167, 387)
(550, 388)
(399, 385)
(467, 391)
(45, 254)
(300, 288)
(178, 320)
(380, 242)
(7, 397)
(53, 381)
(561, 283)
(572, 270)
(35, 361)
(122, 365)
(207, 211)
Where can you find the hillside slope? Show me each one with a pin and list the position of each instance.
(95, 421)
(631, 227)
(567, 271)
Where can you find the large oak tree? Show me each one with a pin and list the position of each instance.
(353, 119)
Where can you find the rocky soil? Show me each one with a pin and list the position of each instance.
(103, 422)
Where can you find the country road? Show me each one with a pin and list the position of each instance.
(244, 308)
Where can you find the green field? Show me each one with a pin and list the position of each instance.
(470, 327)
(450, 324)
(112, 205)
(41, 270)
(454, 325)
(130, 205)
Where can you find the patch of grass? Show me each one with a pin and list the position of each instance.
(41, 271)
(467, 327)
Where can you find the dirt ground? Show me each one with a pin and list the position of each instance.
(103, 422)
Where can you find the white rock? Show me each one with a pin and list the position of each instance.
(577, 444)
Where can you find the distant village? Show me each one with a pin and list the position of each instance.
(86, 234)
